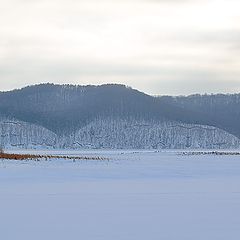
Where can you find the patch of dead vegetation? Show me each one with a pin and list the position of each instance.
(20, 157)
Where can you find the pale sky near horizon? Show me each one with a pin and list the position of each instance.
(157, 46)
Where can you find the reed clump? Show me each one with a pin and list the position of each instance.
(20, 157)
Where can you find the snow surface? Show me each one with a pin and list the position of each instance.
(133, 195)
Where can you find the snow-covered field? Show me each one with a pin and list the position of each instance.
(142, 195)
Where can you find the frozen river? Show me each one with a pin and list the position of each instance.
(137, 195)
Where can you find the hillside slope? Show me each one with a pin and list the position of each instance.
(220, 110)
(116, 116)
(117, 134)
(64, 108)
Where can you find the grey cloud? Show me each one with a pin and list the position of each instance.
(151, 79)
(195, 84)
(198, 37)
(46, 53)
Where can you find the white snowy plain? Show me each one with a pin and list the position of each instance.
(137, 195)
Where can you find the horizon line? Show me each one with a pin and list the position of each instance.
(116, 84)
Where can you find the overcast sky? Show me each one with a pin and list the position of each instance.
(157, 46)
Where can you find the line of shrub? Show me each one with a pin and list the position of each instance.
(12, 156)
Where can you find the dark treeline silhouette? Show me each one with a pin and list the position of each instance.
(66, 108)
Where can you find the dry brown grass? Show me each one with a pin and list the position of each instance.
(11, 156)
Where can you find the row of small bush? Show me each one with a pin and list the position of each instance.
(12, 156)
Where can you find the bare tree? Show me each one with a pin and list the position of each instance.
(1, 146)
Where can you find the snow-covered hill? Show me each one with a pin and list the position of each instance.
(118, 134)
(67, 108)
(18, 134)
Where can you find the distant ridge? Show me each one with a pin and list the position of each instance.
(65, 109)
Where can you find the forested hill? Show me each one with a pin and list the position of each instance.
(219, 110)
(67, 108)
(64, 108)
